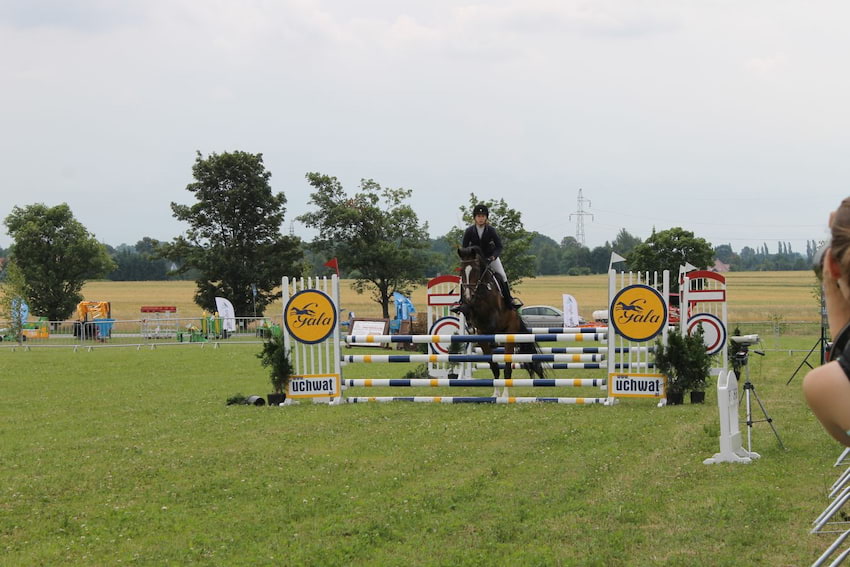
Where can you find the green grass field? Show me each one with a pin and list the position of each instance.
(125, 456)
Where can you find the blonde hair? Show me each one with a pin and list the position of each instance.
(840, 229)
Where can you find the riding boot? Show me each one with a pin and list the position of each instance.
(510, 302)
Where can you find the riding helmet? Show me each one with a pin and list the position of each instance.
(481, 210)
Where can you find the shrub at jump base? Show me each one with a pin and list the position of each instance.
(275, 357)
(685, 362)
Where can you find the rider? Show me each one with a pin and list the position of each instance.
(483, 235)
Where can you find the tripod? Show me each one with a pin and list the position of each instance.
(821, 342)
(750, 392)
(824, 347)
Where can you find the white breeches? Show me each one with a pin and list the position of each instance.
(496, 266)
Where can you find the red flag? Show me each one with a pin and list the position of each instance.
(332, 263)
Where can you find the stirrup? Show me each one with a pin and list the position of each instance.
(516, 303)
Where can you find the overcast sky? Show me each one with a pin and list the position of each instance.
(728, 118)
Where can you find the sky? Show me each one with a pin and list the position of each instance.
(730, 119)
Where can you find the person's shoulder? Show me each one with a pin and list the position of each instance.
(829, 371)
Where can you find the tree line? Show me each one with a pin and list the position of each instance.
(233, 246)
(140, 262)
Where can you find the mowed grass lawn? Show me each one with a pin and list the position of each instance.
(125, 456)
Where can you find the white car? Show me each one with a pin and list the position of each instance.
(543, 316)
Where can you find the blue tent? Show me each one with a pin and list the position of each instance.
(404, 311)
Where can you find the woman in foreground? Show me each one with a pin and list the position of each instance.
(827, 388)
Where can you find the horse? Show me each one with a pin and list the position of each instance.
(486, 311)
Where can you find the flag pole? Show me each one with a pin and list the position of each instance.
(333, 263)
(615, 258)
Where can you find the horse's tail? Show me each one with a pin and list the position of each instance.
(530, 348)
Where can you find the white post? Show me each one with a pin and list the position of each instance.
(731, 450)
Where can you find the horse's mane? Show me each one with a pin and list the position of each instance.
(472, 252)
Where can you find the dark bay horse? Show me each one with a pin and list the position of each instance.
(487, 313)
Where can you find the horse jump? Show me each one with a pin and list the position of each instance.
(555, 358)
(594, 335)
(477, 400)
(317, 352)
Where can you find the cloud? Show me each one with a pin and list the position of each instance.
(767, 66)
(80, 15)
(109, 100)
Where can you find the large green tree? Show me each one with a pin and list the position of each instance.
(670, 249)
(375, 236)
(516, 258)
(56, 255)
(234, 238)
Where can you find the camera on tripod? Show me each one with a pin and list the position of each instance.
(745, 340)
(742, 344)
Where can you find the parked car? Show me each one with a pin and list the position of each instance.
(543, 316)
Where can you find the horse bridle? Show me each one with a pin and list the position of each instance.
(465, 285)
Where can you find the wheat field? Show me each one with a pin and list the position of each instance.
(752, 296)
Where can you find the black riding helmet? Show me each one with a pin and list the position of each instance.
(481, 210)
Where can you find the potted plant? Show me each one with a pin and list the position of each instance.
(686, 364)
(275, 357)
(700, 365)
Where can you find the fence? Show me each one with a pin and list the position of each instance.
(189, 330)
(140, 332)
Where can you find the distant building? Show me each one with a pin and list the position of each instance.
(720, 267)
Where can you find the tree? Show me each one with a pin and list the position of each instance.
(374, 234)
(56, 255)
(516, 259)
(234, 238)
(600, 259)
(725, 254)
(441, 258)
(669, 249)
(547, 255)
(575, 257)
(12, 290)
(139, 262)
(624, 243)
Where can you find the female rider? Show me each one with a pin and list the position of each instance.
(483, 235)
